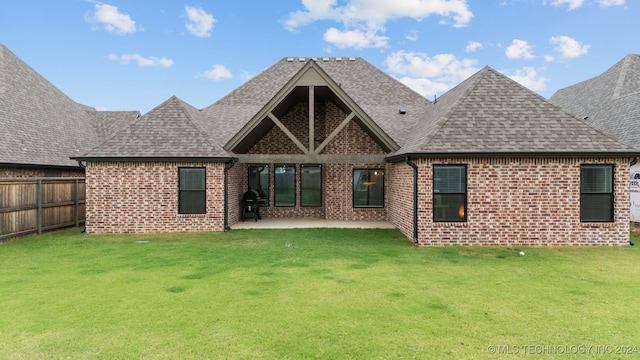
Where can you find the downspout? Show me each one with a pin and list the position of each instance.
(227, 167)
(633, 162)
(415, 198)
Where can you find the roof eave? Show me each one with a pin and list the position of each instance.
(525, 154)
(48, 166)
(155, 158)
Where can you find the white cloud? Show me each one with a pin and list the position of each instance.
(426, 87)
(141, 61)
(218, 72)
(573, 4)
(430, 75)
(519, 49)
(365, 18)
(473, 46)
(200, 22)
(412, 35)
(357, 39)
(607, 3)
(378, 11)
(112, 19)
(569, 48)
(529, 78)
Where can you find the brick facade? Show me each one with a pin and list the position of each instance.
(510, 201)
(337, 178)
(142, 197)
(513, 201)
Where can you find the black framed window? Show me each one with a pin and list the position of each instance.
(259, 181)
(596, 193)
(192, 191)
(449, 193)
(310, 185)
(368, 188)
(284, 182)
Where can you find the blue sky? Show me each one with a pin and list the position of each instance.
(133, 55)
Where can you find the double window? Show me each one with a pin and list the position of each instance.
(368, 188)
(449, 193)
(596, 193)
(192, 191)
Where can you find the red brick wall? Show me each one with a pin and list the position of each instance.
(237, 185)
(337, 178)
(524, 201)
(143, 197)
(399, 182)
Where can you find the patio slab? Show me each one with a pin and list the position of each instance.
(295, 223)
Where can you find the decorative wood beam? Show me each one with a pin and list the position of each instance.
(312, 98)
(335, 132)
(288, 133)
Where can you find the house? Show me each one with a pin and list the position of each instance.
(610, 102)
(40, 127)
(488, 163)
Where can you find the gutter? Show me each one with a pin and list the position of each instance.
(227, 167)
(415, 198)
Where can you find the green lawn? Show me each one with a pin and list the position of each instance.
(311, 293)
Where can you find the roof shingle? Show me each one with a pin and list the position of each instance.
(492, 114)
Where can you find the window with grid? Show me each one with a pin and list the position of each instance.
(596, 193)
(449, 193)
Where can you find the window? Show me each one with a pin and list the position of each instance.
(192, 193)
(368, 188)
(285, 185)
(259, 181)
(596, 193)
(311, 185)
(449, 193)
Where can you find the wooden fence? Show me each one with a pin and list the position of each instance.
(34, 205)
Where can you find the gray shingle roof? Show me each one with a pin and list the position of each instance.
(40, 125)
(492, 114)
(377, 93)
(611, 100)
(168, 131)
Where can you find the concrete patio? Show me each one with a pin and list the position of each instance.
(294, 223)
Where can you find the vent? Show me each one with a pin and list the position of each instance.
(352, 59)
(301, 59)
(290, 59)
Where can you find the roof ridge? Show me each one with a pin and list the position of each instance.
(188, 112)
(621, 77)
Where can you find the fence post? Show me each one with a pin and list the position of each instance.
(39, 211)
(76, 205)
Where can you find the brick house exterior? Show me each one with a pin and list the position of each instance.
(489, 163)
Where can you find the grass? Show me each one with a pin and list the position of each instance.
(309, 293)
